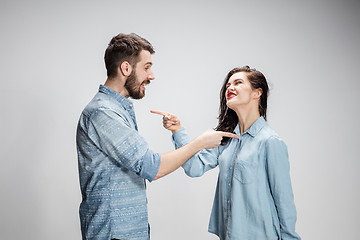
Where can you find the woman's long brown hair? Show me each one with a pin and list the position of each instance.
(227, 117)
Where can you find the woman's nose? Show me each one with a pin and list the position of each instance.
(231, 87)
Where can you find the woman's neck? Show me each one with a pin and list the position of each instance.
(246, 118)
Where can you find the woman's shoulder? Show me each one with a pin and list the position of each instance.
(268, 136)
(267, 132)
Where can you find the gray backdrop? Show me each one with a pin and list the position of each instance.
(51, 57)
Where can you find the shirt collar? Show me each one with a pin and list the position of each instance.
(254, 129)
(117, 96)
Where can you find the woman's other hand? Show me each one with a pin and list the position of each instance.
(170, 121)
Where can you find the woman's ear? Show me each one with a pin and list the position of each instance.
(257, 93)
(125, 68)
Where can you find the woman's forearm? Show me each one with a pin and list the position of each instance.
(171, 161)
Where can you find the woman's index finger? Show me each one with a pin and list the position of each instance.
(159, 112)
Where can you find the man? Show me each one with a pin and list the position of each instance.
(114, 160)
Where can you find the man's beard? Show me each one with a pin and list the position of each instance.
(133, 88)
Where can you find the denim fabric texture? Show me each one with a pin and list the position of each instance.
(114, 161)
(254, 198)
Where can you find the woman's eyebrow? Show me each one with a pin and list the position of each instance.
(238, 79)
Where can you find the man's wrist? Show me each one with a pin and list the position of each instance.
(198, 143)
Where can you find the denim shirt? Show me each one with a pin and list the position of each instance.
(114, 161)
(254, 198)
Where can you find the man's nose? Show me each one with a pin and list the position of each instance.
(151, 76)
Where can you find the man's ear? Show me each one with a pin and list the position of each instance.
(125, 68)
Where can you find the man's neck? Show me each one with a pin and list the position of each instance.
(117, 85)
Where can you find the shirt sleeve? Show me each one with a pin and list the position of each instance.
(201, 162)
(278, 168)
(123, 144)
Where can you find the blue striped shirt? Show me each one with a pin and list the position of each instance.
(114, 161)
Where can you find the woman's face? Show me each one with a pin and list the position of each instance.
(239, 91)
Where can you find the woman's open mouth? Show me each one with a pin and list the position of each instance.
(230, 95)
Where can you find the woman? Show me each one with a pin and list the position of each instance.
(253, 198)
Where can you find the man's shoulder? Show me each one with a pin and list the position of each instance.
(102, 102)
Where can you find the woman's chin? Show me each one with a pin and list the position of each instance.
(230, 105)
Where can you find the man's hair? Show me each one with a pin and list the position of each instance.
(124, 47)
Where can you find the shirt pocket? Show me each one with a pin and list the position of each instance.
(244, 171)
